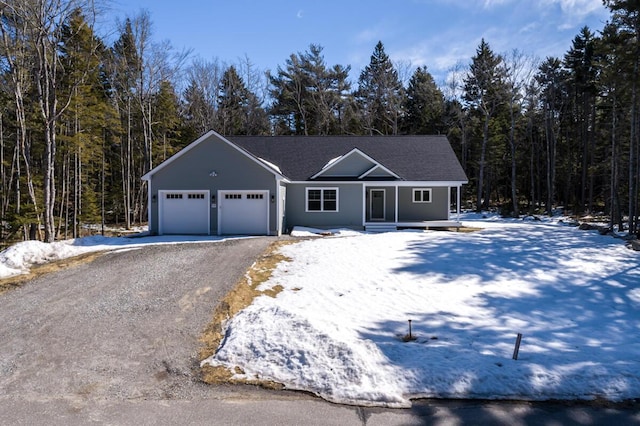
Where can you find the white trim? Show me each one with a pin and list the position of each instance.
(396, 215)
(321, 189)
(278, 216)
(422, 191)
(197, 142)
(404, 183)
(150, 206)
(384, 204)
(330, 162)
(354, 151)
(364, 204)
(273, 166)
(378, 166)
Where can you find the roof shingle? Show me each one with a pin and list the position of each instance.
(413, 158)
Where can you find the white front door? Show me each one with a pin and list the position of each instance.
(243, 213)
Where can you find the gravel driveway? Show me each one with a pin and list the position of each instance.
(123, 327)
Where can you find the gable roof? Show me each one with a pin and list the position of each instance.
(273, 168)
(355, 152)
(411, 158)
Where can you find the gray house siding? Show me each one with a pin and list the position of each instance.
(233, 170)
(437, 209)
(353, 165)
(349, 212)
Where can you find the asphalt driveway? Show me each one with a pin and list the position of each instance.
(123, 327)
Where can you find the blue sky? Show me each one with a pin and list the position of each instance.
(435, 33)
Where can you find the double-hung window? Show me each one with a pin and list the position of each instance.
(422, 195)
(322, 199)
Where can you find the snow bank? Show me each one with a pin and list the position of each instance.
(302, 231)
(20, 257)
(314, 360)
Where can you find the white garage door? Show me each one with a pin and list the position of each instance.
(243, 213)
(183, 212)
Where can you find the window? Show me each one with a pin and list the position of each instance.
(322, 199)
(174, 196)
(255, 196)
(422, 195)
(196, 196)
(232, 196)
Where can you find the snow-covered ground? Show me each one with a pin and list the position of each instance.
(337, 328)
(20, 257)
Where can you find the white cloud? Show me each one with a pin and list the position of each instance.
(492, 3)
(573, 12)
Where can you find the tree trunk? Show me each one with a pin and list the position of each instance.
(512, 145)
(481, 203)
(551, 166)
(633, 182)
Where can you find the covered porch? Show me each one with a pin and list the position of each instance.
(394, 205)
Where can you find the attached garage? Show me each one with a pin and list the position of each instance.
(184, 212)
(243, 213)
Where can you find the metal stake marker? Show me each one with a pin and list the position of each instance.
(410, 330)
(517, 348)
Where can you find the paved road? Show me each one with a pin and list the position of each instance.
(115, 342)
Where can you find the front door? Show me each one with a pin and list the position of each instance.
(376, 206)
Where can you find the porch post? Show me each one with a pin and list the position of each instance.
(278, 200)
(364, 205)
(458, 202)
(396, 209)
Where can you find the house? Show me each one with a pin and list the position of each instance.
(266, 185)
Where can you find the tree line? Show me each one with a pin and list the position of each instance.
(82, 119)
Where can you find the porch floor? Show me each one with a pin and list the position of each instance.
(380, 226)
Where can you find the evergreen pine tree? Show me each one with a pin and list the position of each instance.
(485, 92)
(424, 105)
(379, 95)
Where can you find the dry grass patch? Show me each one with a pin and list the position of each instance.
(36, 271)
(457, 229)
(238, 298)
